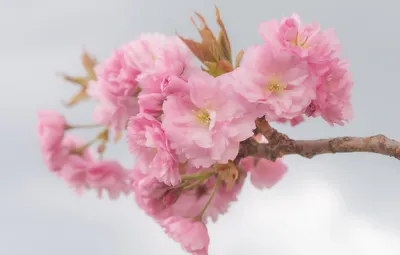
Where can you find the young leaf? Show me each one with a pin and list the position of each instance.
(79, 80)
(197, 49)
(117, 136)
(239, 57)
(223, 39)
(209, 42)
(228, 173)
(217, 69)
(89, 63)
(80, 96)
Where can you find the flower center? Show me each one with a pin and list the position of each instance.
(297, 41)
(275, 86)
(203, 116)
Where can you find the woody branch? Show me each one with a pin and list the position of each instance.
(280, 144)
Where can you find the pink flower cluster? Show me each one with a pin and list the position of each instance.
(297, 72)
(139, 66)
(67, 156)
(185, 126)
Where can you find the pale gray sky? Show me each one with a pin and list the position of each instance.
(333, 204)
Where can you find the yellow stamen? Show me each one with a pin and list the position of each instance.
(297, 42)
(203, 116)
(275, 86)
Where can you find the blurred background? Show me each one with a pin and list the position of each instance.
(332, 204)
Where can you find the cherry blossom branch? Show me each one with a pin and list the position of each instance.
(279, 145)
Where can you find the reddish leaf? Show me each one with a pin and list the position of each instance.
(239, 57)
(89, 63)
(223, 39)
(79, 80)
(117, 136)
(80, 96)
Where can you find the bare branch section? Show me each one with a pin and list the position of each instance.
(279, 145)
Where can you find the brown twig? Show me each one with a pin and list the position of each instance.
(279, 145)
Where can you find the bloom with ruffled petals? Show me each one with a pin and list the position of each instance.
(191, 234)
(153, 196)
(50, 130)
(276, 80)
(147, 140)
(109, 176)
(172, 84)
(207, 124)
(306, 40)
(115, 88)
(74, 164)
(151, 103)
(159, 56)
(264, 173)
(141, 53)
(333, 96)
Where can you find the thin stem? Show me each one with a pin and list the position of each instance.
(68, 127)
(80, 150)
(217, 184)
(194, 184)
(198, 175)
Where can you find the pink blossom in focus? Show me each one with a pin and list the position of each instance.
(159, 56)
(151, 103)
(50, 130)
(191, 234)
(278, 82)
(207, 124)
(305, 40)
(147, 140)
(115, 88)
(264, 173)
(333, 100)
(173, 84)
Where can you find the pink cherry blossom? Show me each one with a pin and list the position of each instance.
(151, 103)
(264, 173)
(81, 171)
(109, 176)
(74, 164)
(191, 234)
(147, 140)
(150, 195)
(207, 124)
(50, 129)
(115, 88)
(333, 95)
(142, 52)
(181, 121)
(159, 56)
(276, 80)
(305, 40)
(173, 84)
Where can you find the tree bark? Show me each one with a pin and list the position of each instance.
(280, 144)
